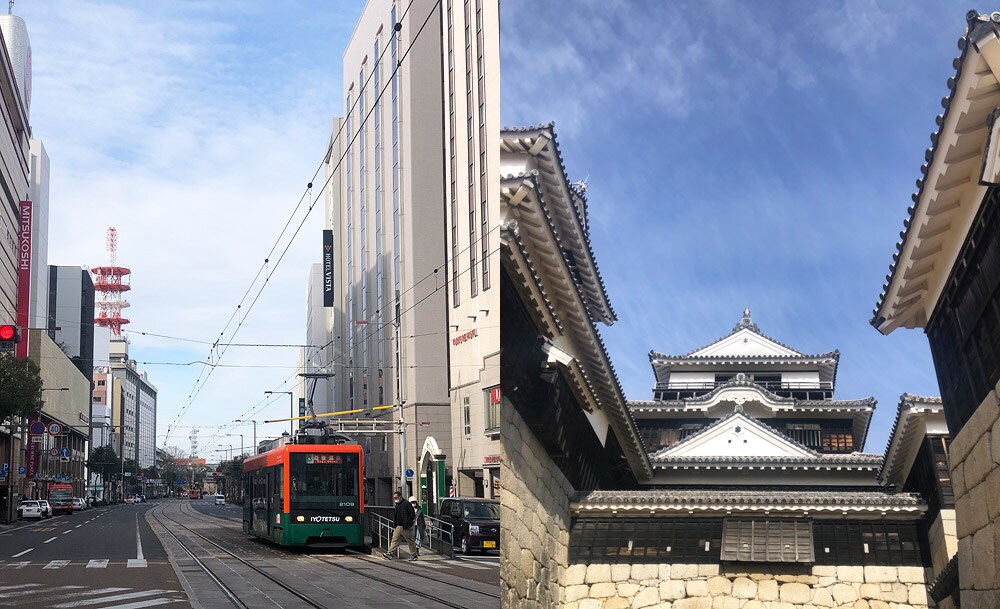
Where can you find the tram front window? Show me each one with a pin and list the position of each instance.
(324, 481)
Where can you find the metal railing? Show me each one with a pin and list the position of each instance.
(438, 536)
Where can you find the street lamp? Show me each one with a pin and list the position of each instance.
(241, 441)
(291, 409)
(254, 431)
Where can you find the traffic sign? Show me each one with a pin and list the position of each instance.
(128, 474)
(54, 452)
(181, 481)
(36, 428)
(64, 452)
(64, 459)
(4, 468)
(409, 473)
(22, 470)
(55, 428)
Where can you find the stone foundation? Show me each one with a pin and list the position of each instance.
(975, 470)
(534, 519)
(681, 586)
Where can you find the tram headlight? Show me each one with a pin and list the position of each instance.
(348, 518)
(300, 518)
(474, 529)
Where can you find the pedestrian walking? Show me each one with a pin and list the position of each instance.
(404, 518)
(420, 536)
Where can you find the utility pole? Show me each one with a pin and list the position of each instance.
(254, 431)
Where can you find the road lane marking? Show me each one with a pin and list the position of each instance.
(99, 591)
(78, 526)
(9, 588)
(22, 553)
(20, 565)
(150, 603)
(136, 562)
(67, 532)
(107, 599)
(56, 564)
(138, 539)
(42, 590)
(101, 563)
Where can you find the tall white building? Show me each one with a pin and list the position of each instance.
(471, 64)
(131, 398)
(385, 206)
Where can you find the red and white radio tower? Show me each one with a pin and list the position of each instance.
(111, 281)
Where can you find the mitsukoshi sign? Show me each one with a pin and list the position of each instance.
(24, 221)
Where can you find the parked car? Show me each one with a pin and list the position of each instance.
(79, 503)
(46, 508)
(30, 509)
(220, 500)
(475, 522)
(131, 499)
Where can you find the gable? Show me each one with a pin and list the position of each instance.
(745, 342)
(738, 436)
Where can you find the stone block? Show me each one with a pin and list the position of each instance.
(617, 602)
(767, 590)
(851, 574)
(628, 589)
(574, 575)
(809, 580)
(620, 573)
(744, 587)
(701, 602)
(979, 462)
(591, 603)
(861, 604)
(671, 590)
(843, 593)
(795, 593)
(683, 571)
(880, 574)
(645, 572)
(646, 598)
(726, 602)
(870, 591)
(575, 593)
(719, 586)
(664, 572)
(910, 575)
(696, 587)
(918, 596)
(991, 487)
(984, 567)
(708, 570)
(958, 487)
(823, 597)
(897, 593)
(977, 511)
(979, 423)
(603, 590)
(965, 560)
(980, 599)
(598, 574)
(754, 605)
(877, 604)
(826, 582)
(824, 571)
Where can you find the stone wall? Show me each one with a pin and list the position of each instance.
(681, 586)
(943, 539)
(534, 519)
(975, 472)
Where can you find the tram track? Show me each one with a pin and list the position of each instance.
(365, 574)
(228, 591)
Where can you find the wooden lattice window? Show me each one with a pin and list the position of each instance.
(767, 541)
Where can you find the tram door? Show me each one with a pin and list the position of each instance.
(270, 502)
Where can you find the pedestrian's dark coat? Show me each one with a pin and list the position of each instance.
(404, 515)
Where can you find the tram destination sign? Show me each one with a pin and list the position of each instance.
(322, 458)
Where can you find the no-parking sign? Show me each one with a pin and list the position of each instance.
(36, 428)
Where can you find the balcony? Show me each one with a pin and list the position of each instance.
(797, 390)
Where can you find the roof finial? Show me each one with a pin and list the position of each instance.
(746, 322)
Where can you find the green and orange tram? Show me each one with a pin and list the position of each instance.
(306, 491)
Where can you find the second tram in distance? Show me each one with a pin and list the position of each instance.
(307, 492)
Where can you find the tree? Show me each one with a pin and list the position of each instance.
(20, 387)
(105, 462)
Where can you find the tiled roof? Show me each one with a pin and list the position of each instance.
(820, 460)
(745, 323)
(737, 412)
(976, 24)
(907, 402)
(707, 397)
(746, 498)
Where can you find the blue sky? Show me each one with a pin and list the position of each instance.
(742, 154)
(193, 127)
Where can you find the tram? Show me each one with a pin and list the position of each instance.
(306, 491)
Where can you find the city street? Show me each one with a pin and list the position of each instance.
(184, 553)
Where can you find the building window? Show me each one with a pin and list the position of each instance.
(767, 540)
(467, 417)
(868, 543)
(623, 540)
(100, 383)
(492, 412)
(837, 442)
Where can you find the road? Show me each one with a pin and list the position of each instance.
(96, 558)
(180, 553)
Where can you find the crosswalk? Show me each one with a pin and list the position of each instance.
(73, 597)
(94, 563)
